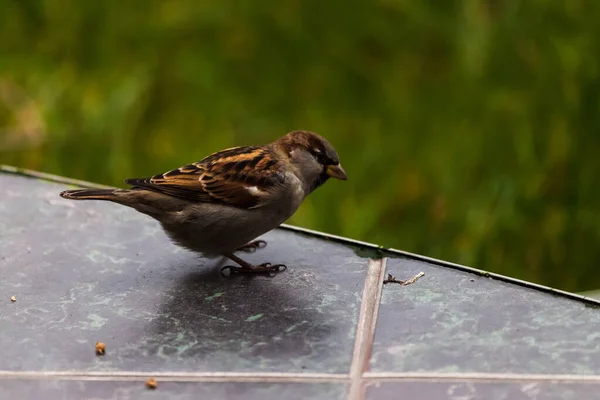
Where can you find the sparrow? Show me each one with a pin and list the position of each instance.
(220, 204)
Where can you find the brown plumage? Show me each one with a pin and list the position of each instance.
(220, 203)
(221, 177)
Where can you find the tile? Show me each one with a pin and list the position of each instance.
(90, 271)
(119, 390)
(454, 321)
(483, 391)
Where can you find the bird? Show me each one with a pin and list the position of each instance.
(222, 203)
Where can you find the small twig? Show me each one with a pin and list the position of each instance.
(392, 279)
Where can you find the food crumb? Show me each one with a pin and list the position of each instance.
(151, 383)
(13, 299)
(100, 348)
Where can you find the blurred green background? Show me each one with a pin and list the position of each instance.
(469, 129)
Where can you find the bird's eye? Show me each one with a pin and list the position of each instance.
(319, 156)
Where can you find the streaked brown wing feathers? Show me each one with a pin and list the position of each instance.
(239, 176)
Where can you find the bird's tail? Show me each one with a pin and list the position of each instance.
(91, 194)
(144, 201)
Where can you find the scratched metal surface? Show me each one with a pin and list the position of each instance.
(83, 272)
(483, 391)
(115, 390)
(453, 321)
(90, 271)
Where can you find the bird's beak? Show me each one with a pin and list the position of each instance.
(337, 172)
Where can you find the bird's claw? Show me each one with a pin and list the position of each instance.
(265, 268)
(252, 246)
(273, 268)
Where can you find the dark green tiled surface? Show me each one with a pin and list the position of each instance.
(484, 391)
(88, 271)
(115, 390)
(453, 321)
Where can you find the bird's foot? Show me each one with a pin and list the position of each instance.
(252, 246)
(265, 268)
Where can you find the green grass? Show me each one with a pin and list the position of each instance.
(470, 132)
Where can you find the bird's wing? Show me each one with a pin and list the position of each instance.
(240, 177)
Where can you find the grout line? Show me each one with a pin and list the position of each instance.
(365, 329)
(273, 377)
(279, 377)
(476, 376)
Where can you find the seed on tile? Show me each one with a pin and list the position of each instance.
(100, 348)
(151, 383)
